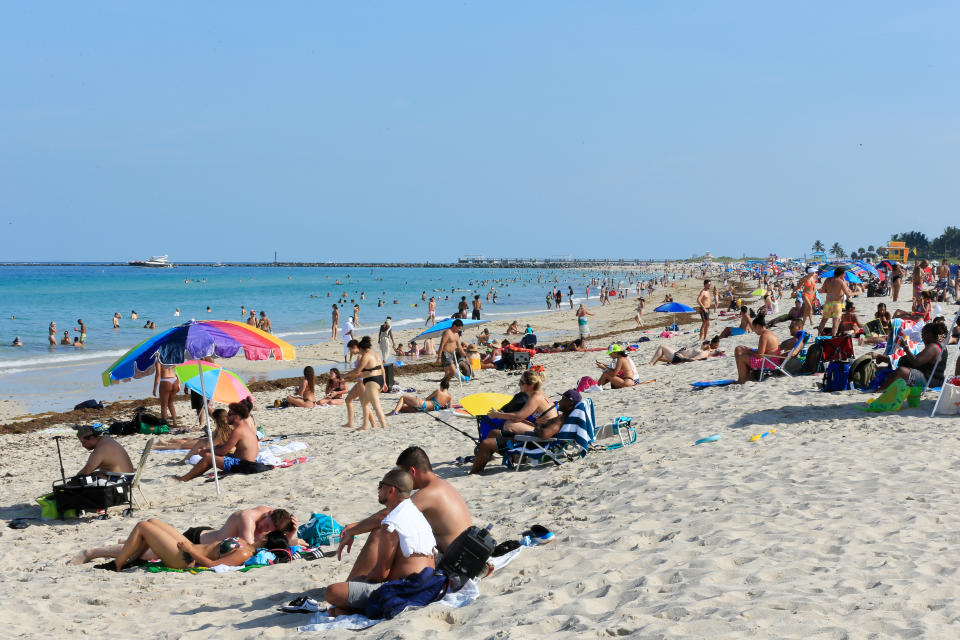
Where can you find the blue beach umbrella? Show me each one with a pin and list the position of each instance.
(673, 307)
(443, 325)
(869, 268)
(848, 275)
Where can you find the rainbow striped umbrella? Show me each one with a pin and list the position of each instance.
(218, 384)
(198, 339)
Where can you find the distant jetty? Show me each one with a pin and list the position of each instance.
(469, 262)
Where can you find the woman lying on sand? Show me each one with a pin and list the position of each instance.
(439, 399)
(169, 545)
(686, 354)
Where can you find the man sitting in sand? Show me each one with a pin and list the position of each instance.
(107, 455)
(436, 498)
(439, 399)
(835, 288)
(751, 359)
(406, 545)
(249, 525)
(746, 324)
(450, 347)
(243, 442)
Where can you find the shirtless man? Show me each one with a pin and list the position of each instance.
(107, 455)
(835, 288)
(243, 442)
(405, 546)
(436, 498)
(748, 359)
(704, 303)
(82, 328)
(250, 525)
(477, 306)
(449, 346)
(431, 313)
(334, 322)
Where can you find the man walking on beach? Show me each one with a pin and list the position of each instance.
(477, 306)
(335, 322)
(835, 287)
(704, 303)
(431, 313)
(449, 348)
(347, 335)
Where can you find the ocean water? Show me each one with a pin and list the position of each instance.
(298, 301)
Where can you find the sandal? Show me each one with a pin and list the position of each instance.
(303, 604)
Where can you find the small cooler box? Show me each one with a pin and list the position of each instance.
(89, 493)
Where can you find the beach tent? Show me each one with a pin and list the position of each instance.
(196, 340)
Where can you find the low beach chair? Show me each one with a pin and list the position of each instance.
(579, 431)
(621, 428)
(771, 363)
(135, 480)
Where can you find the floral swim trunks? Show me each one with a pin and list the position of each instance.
(833, 309)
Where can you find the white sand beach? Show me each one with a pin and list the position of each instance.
(839, 525)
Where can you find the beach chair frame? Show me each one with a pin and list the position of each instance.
(797, 349)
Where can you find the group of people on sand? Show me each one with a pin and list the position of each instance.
(421, 517)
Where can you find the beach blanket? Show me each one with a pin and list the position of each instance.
(466, 595)
(907, 329)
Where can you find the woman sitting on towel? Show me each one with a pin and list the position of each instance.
(537, 410)
(153, 537)
(336, 389)
(621, 372)
(306, 395)
(221, 433)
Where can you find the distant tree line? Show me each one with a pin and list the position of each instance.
(946, 245)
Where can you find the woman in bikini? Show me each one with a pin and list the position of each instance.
(166, 386)
(336, 389)
(306, 395)
(370, 370)
(537, 410)
(156, 538)
(849, 321)
(919, 273)
(808, 293)
(222, 430)
(621, 373)
(439, 399)
(896, 279)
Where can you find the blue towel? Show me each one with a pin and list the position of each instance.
(580, 426)
(416, 590)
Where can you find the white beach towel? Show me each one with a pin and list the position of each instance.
(470, 592)
(268, 455)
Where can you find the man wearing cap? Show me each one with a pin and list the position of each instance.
(407, 546)
(107, 455)
(570, 401)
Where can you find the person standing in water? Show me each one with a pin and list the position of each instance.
(334, 322)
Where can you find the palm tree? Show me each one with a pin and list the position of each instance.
(837, 251)
(861, 250)
(818, 246)
(871, 249)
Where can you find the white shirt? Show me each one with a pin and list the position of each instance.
(348, 328)
(416, 535)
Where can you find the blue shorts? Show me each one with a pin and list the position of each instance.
(737, 331)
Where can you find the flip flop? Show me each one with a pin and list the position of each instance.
(303, 604)
(538, 534)
(19, 523)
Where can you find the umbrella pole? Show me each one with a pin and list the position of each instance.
(456, 365)
(206, 419)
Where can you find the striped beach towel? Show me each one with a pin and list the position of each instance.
(580, 426)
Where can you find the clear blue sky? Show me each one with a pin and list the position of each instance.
(416, 130)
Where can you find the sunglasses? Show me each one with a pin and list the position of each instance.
(381, 485)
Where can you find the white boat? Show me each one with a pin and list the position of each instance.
(155, 262)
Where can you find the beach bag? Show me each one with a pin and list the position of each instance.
(585, 383)
(88, 404)
(863, 371)
(950, 398)
(837, 377)
(466, 557)
(813, 363)
(320, 529)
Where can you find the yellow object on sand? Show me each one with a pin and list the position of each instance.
(891, 399)
(479, 404)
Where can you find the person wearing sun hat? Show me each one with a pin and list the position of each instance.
(621, 372)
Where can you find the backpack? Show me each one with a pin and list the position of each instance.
(814, 360)
(320, 529)
(467, 556)
(837, 377)
(863, 371)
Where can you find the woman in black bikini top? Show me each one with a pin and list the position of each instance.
(372, 384)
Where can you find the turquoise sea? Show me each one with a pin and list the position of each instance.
(298, 301)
